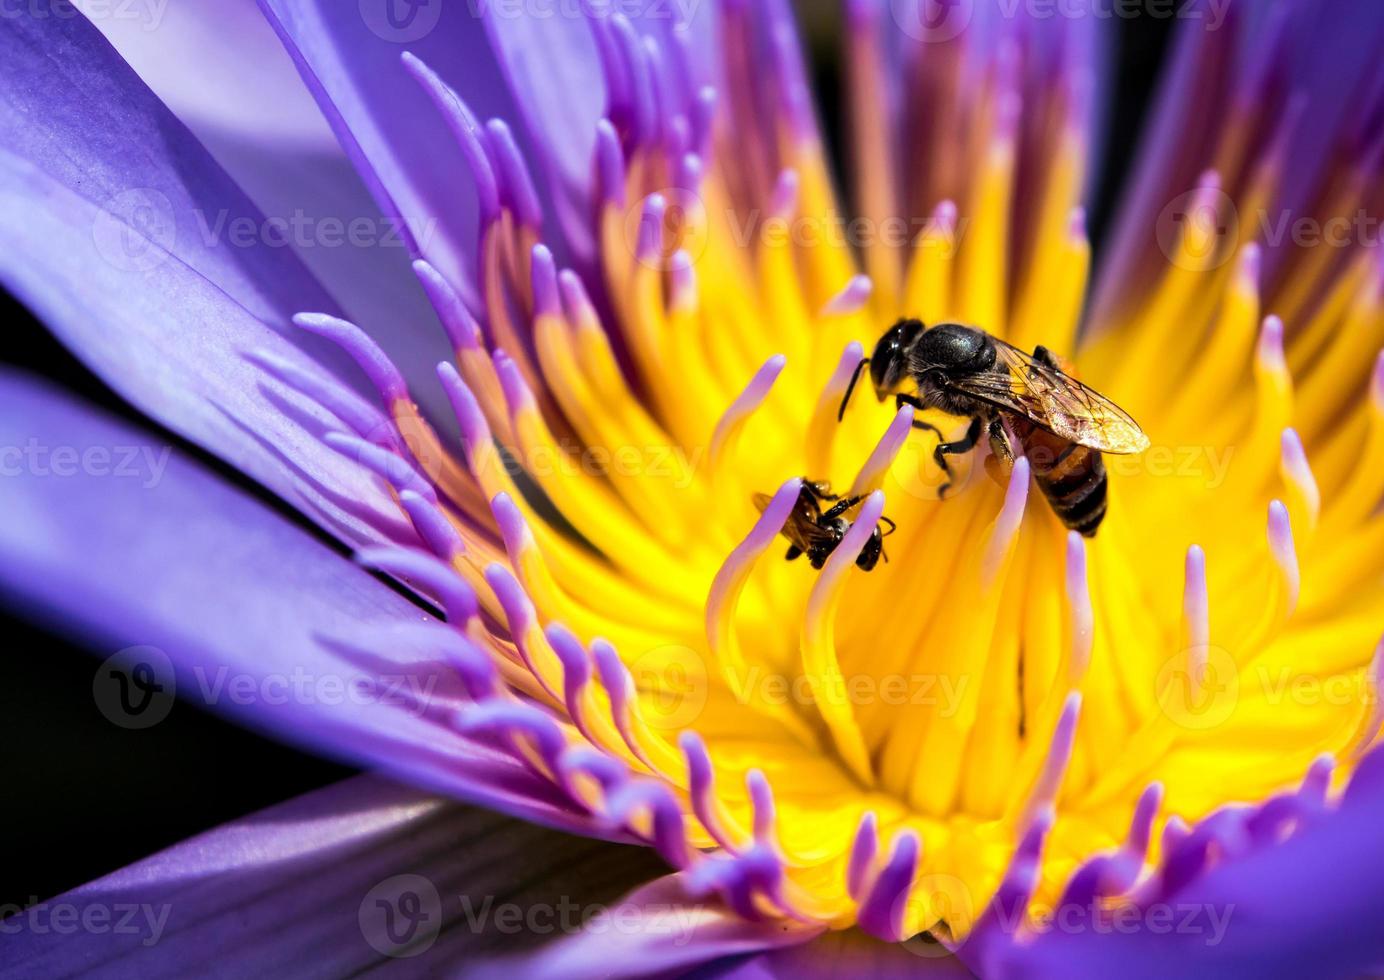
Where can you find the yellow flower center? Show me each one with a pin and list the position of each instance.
(1214, 637)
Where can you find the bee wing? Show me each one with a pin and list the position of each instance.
(1056, 401)
(802, 527)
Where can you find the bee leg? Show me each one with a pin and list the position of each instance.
(793, 552)
(840, 508)
(999, 443)
(901, 400)
(963, 445)
(1046, 358)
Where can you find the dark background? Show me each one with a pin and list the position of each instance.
(84, 797)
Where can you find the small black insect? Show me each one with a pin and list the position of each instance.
(817, 533)
(1024, 403)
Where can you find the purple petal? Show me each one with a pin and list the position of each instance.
(263, 125)
(1309, 906)
(845, 955)
(350, 54)
(123, 543)
(77, 114)
(656, 930)
(306, 889)
(108, 205)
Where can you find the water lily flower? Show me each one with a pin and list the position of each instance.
(520, 309)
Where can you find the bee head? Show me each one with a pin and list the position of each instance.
(889, 362)
(950, 347)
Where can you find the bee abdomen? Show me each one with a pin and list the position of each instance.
(1076, 487)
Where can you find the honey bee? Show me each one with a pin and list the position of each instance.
(817, 533)
(1025, 403)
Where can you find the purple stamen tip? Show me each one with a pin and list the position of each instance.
(1076, 224)
(462, 330)
(474, 430)
(516, 391)
(863, 850)
(1284, 552)
(543, 272)
(783, 202)
(1271, 342)
(850, 299)
(575, 301)
(432, 525)
(1294, 456)
(364, 351)
(457, 598)
(576, 668)
(881, 912)
(465, 129)
(1251, 262)
(518, 182)
(650, 245)
(684, 279)
(690, 170)
(762, 803)
(393, 468)
(1076, 564)
(513, 527)
(610, 164)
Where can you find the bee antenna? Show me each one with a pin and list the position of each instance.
(855, 376)
(892, 527)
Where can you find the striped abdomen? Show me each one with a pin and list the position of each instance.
(1072, 477)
